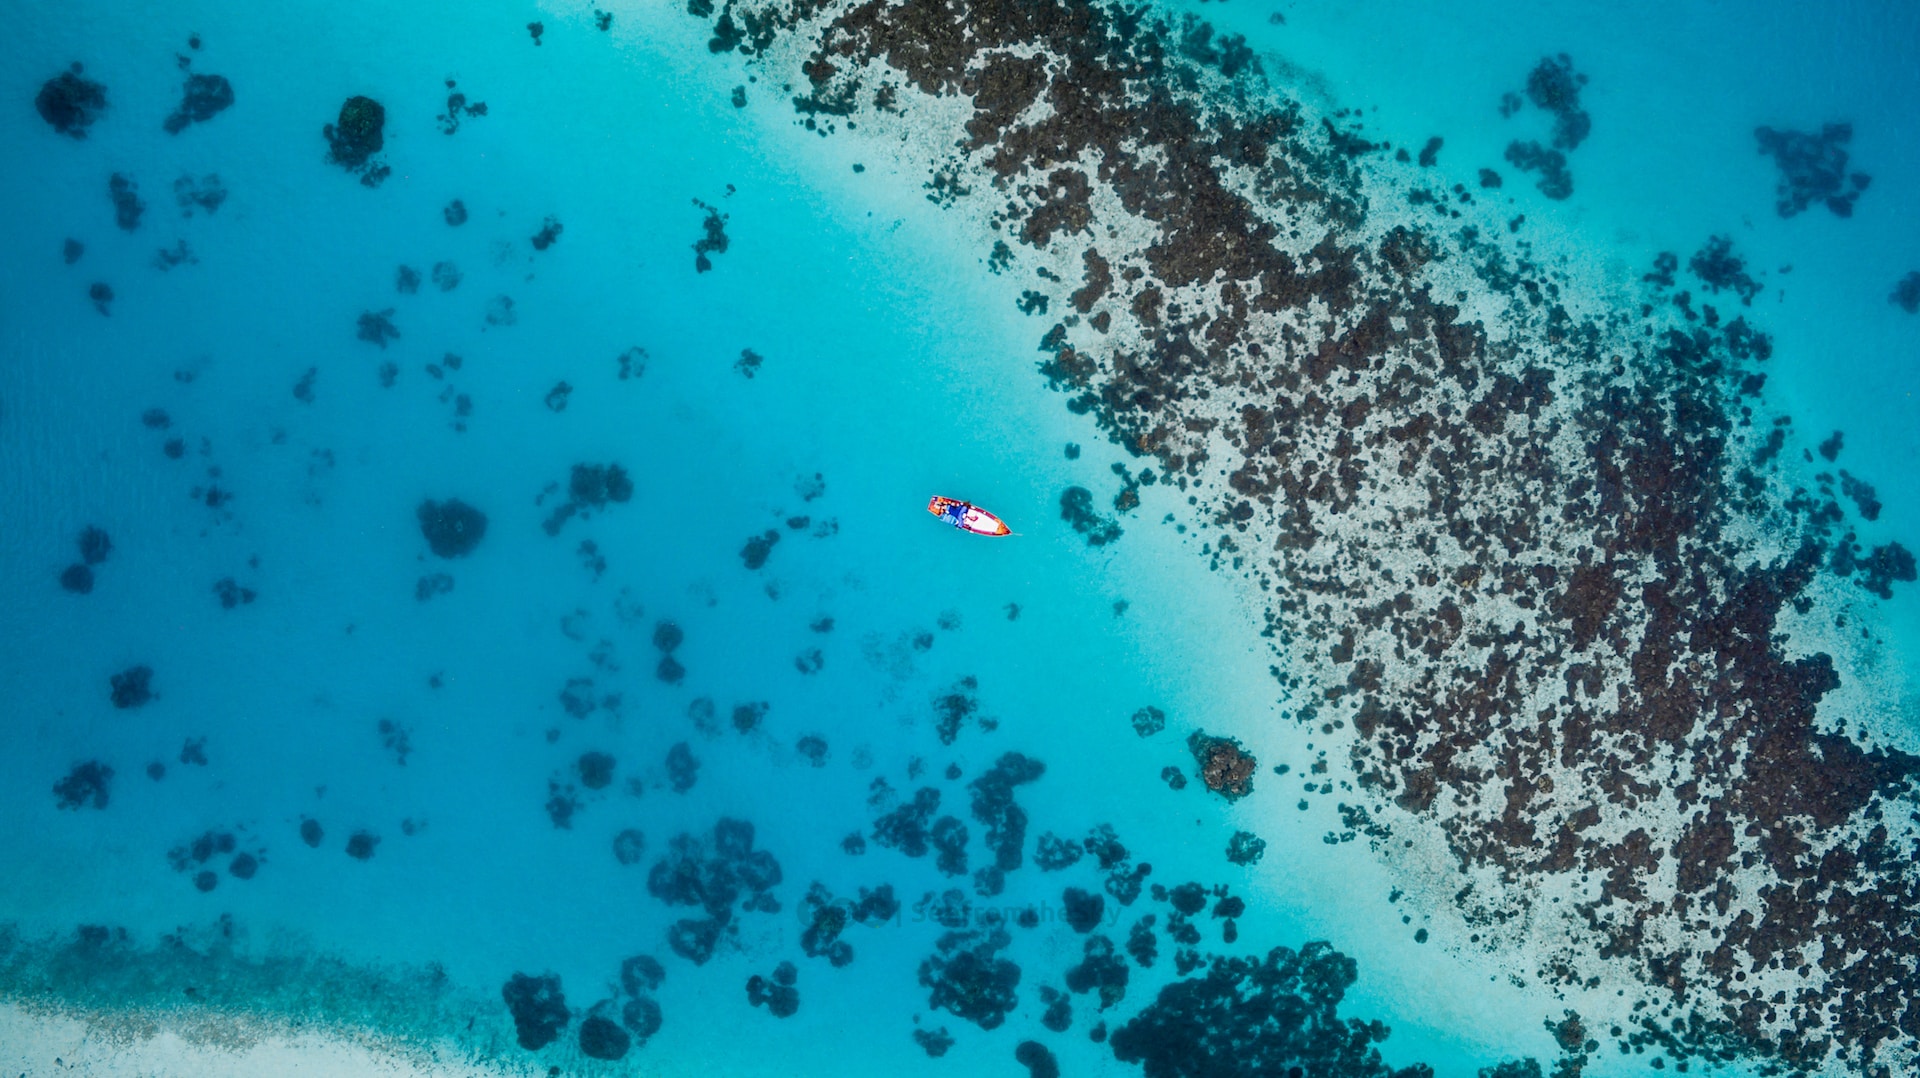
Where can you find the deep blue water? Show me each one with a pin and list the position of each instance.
(317, 671)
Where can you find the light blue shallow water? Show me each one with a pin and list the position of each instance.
(893, 365)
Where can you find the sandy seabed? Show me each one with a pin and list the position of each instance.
(36, 1042)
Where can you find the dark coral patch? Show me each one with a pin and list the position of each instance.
(967, 976)
(777, 992)
(71, 102)
(95, 545)
(1906, 294)
(1100, 971)
(1813, 169)
(452, 528)
(955, 708)
(993, 805)
(1556, 182)
(1149, 721)
(906, 827)
(934, 1042)
(748, 716)
(1081, 910)
(683, 770)
(201, 99)
(603, 1038)
(1276, 1015)
(596, 770)
(754, 554)
(377, 328)
(127, 204)
(359, 133)
(641, 974)
(132, 687)
(538, 1007)
(88, 784)
(642, 1018)
(713, 238)
(629, 846)
(548, 235)
(1555, 86)
(1076, 508)
(1225, 766)
(1246, 848)
(1038, 1060)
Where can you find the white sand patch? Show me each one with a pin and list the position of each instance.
(37, 1040)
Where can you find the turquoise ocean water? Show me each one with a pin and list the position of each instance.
(363, 785)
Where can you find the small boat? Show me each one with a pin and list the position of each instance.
(968, 517)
